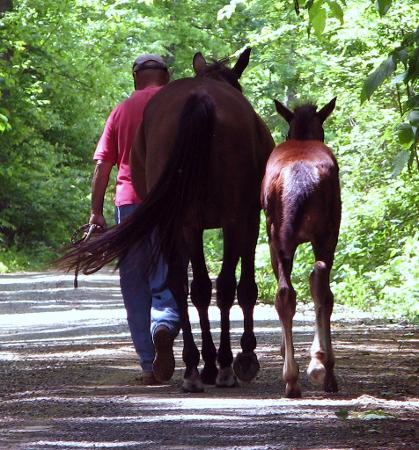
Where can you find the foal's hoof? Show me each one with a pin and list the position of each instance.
(246, 366)
(209, 374)
(226, 378)
(316, 372)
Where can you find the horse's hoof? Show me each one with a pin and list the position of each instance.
(292, 391)
(330, 384)
(226, 378)
(209, 375)
(193, 387)
(246, 366)
(316, 372)
(192, 382)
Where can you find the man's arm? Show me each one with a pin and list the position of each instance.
(99, 184)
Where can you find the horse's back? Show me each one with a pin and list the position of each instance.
(240, 144)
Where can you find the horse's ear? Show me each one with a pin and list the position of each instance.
(199, 62)
(284, 111)
(325, 112)
(242, 62)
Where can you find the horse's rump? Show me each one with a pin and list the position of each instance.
(235, 160)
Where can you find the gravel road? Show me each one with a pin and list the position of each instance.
(69, 379)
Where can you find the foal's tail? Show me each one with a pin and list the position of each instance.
(300, 184)
(181, 188)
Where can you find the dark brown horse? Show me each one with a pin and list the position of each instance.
(301, 198)
(198, 161)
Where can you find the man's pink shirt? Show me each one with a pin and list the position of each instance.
(115, 143)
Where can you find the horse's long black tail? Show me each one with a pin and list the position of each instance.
(180, 189)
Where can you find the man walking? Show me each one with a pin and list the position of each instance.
(152, 313)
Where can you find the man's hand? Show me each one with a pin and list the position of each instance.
(98, 219)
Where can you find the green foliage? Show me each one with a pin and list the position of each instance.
(64, 66)
(373, 414)
(376, 78)
(342, 413)
(213, 250)
(377, 258)
(383, 6)
(52, 107)
(407, 56)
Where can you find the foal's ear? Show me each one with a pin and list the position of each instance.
(325, 112)
(242, 62)
(284, 111)
(199, 62)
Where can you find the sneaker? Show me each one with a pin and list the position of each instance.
(164, 362)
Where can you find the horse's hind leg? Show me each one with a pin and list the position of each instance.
(285, 304)
(320, 369)
(201, 290)
(246, 364)
(178, 283)
(226, 290)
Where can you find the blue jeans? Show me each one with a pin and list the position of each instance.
(147, 299)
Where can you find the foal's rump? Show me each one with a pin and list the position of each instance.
(301, 189)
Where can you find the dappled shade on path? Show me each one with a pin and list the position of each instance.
(69, 379)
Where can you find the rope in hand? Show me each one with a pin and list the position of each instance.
(83, 234)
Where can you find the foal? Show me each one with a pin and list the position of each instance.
(301, 198)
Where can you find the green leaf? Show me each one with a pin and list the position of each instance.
(336, 10)
(406, 133)
(401, 54)
(399, 78)
(414, 117)
(342, 413)
(412, 102)
(413, 66)
(4, 122)
(377, 77)
(400, 161)
(314, 9)
(374, 414)
(383, 6)
(319, 22)
(309, 4)
(228, 10)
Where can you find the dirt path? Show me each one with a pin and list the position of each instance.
(69, 380)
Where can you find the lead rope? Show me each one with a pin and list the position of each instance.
(83, 234)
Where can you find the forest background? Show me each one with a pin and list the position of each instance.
(64, 66)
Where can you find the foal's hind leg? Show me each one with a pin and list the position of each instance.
(246, 364)
(285, 304)
(320, 369)
(201, 290)
(226, 289)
